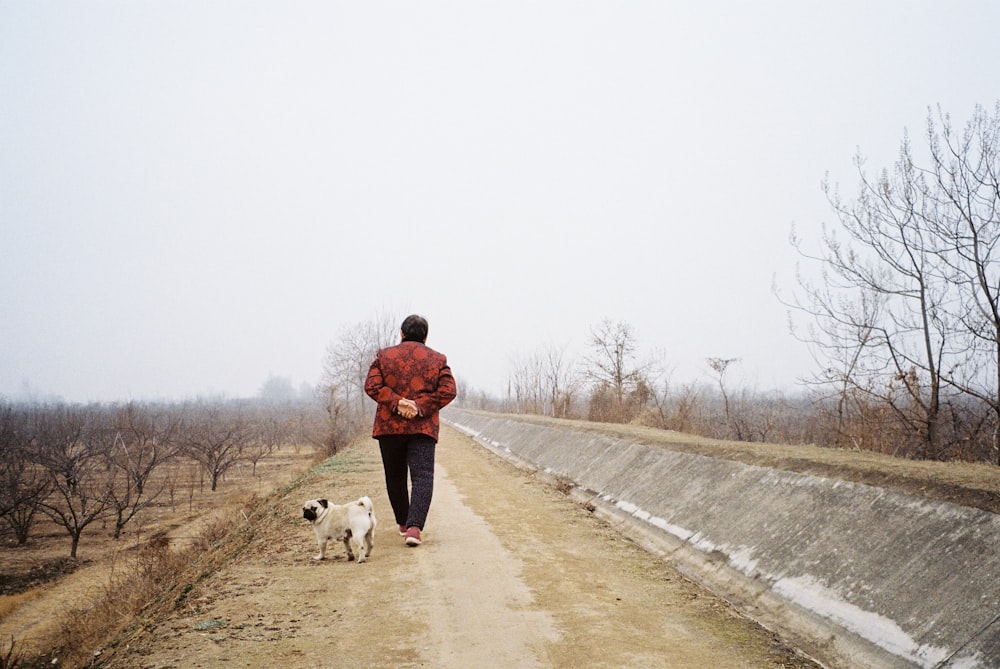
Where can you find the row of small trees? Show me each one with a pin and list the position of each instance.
(80, 465)
(612, 384)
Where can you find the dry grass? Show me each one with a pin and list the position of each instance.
(147, 585)
(119, 582)
(11, 603)
(177, 579)
(10, 655)
(135, 584)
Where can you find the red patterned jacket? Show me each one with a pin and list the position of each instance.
(414, 371)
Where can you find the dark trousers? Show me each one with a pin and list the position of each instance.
(411, 454)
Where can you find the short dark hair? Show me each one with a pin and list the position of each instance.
(414, 328)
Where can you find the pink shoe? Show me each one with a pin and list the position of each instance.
(413, 536)
(402, 530)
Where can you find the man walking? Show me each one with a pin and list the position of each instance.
(411, 383)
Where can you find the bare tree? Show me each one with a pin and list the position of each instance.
(963, 191)
(561, 380)
(145, 437)
(658, 379)
(215, 436)
(525, 391)
(350, 355)
(907, 308)
(23, 484)
(612, 366)
(344, 370)
(274, 425)
(543, 382)
(720, 366)
(70, 446)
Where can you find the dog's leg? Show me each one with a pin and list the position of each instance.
(347, 545)
(369, 541)
(322, 549)
(364, 544)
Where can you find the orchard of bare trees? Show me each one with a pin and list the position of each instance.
(93, 466)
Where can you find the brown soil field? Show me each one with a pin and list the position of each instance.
(512, 572)
(39, 582)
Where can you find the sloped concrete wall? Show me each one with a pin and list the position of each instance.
(855, 575)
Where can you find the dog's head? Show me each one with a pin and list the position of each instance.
(312, 509)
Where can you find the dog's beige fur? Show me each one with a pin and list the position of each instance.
(354, 521)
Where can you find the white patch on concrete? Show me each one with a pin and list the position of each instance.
(676, 530)
(627, 507)
(968, 662)
(466, 429)
(703, 544)
(645, 516)
(742, 559)
(883, 632)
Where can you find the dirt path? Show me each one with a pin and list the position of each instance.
(511, 574)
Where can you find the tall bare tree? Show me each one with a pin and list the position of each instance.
(720, 366)
(562, 380)
(526, 384)
(344, 370)
(612, 365)
(907, 307)
(349, 356)
(963, 191)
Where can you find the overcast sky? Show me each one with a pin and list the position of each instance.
(195, 196)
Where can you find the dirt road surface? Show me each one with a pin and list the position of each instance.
(512, 573)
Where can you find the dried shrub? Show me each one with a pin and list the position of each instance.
(10, 655)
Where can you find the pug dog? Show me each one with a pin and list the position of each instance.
(354, 521)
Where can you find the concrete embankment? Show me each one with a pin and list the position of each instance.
(854, 575)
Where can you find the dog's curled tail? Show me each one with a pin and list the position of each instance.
(366, 502)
